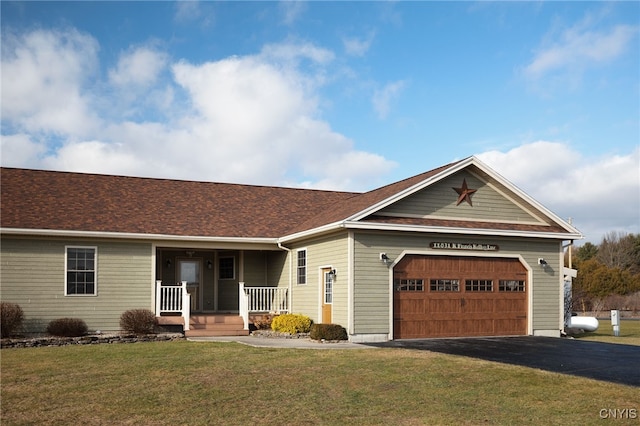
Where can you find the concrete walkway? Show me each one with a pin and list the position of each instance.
(264, 342)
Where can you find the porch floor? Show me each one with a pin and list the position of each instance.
(206, 325)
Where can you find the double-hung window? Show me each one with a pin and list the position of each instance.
(227, 267)
(302, 266)
(80, 271)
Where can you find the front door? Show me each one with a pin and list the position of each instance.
(190, 270)
(327, 296)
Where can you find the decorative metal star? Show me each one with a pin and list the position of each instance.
(464, 193)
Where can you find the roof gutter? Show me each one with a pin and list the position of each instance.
(135, 236)
(311, 232)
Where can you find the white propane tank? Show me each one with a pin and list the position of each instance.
(584, 323)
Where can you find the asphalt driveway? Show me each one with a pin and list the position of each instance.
(601, 361)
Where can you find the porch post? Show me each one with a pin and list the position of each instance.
(186, 306)
(243, 305)
(158, 295)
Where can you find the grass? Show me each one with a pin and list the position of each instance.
(192, 383)
(629, 333)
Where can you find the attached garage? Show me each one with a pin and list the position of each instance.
(459, 296)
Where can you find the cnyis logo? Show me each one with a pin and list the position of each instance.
(617, 413)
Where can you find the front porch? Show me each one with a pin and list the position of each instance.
(174, 307)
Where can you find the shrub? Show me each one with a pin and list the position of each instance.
(11, 316)
(263, 323)
(291, 323)
(67, 327)
(138, 321)
(328, 332)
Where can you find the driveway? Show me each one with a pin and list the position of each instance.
(601, 361)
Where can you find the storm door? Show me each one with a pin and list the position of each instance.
(190, 270)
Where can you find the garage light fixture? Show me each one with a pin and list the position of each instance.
(332, 274)
(384, 258)
(543, 263)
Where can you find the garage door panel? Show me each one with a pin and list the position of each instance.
(510, 327)
(510, 305)
(478, 305)
(411, 329)
(479, 327)
(445, 306)
(411, 306)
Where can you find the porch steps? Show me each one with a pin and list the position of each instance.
(216, 325)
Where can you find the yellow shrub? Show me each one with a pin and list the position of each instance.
(291, 323)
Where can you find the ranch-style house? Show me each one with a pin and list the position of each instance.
(455, 251)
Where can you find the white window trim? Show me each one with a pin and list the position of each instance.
(234, 267)
(95, 270)
(306, 266)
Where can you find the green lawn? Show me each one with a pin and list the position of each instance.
(169, 383)
(629, 333)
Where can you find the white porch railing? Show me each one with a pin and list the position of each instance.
(173, 299)
(262, 299)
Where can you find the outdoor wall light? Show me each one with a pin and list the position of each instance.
(168, 263)
(384, 258)
(209, 264)
(542, 263)
(332, 274)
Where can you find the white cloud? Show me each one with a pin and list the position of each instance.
(383, 98)
(187, 11)
(292, 53)
(190, 12)
(291, 10)
(140, 66)
(579, 47)
(600, 194)
(43, 76)
(358, 46)
(250, 119)
(20, 150)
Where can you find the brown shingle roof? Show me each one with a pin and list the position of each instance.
(33, 199)
(49, 200)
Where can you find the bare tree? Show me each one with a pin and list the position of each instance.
(620, 251)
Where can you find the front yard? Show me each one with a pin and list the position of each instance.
(183, 382)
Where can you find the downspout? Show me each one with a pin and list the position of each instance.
(288, 250)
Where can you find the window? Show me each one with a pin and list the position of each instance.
(409, 285)
(445, 285)
(511, 285)
(478, 285)
(302, 266)
(80, 271)
(328, 288)
(227, 268)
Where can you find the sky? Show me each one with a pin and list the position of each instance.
(333, 95)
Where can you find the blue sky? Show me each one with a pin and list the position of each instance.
(333, 95)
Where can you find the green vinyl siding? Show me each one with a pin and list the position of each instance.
(371, 276)
(323, 252)
(278, 269)
(255, 269)
(32, 275)
(439, 200)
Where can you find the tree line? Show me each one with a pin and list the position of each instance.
(608, 273)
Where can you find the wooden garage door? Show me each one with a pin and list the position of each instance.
(446, 296)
